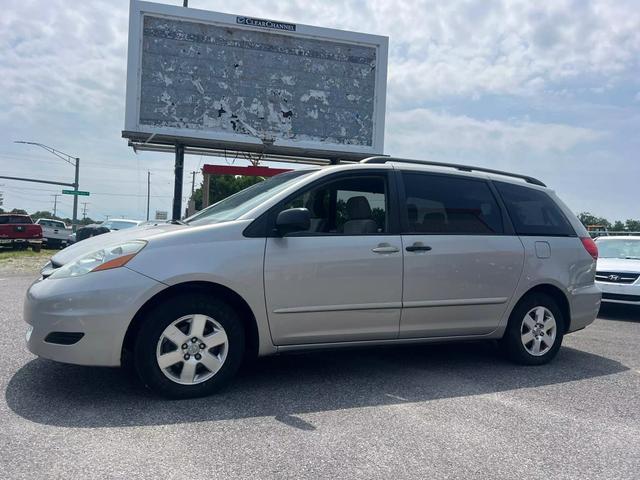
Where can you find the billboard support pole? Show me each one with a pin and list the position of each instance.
(177, 186)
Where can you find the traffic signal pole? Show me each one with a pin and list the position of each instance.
(76, 185)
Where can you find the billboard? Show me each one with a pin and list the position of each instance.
(228, 81)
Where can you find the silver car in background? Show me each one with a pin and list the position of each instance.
(386, 251)
(618, 270)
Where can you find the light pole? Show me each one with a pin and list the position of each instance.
(75, 161)
(148, 192)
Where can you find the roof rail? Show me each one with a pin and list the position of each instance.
(463, 168)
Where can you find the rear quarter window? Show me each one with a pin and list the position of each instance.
(533, 212)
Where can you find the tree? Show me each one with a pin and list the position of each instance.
(632, 225)
(588, 219)
(618, 226)
(19, 211)
(44, 214)
(223, 186)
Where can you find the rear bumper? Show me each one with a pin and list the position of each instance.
(584, 305)
(11, 242)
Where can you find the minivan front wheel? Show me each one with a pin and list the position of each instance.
(189, 346)
(534, 333)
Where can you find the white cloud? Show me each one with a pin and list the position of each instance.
(57, 56)
(62, 80)
(422, 132)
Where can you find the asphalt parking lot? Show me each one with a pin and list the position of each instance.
(449, 411)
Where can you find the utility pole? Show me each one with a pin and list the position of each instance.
(193, 182)
(148, 191)
(84, 210)
(75, 161)
(55, 202)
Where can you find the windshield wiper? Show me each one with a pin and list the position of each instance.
(177, 222)
(632, 258)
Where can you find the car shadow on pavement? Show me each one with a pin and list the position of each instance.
(619, 312)
(285, 386)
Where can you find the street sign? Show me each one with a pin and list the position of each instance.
(76, 192)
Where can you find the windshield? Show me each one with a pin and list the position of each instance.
(619, 248)
(233, 207)
(118, 225)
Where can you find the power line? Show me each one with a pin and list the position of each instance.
(93, 164)
(97, 193)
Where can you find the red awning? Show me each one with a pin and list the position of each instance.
(249, 171)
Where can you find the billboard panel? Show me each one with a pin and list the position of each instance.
(227, 81)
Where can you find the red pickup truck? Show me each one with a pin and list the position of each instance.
(19, 232)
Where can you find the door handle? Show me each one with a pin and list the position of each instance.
(385, 248)
(418, 247)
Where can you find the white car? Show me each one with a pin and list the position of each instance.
(618, 269)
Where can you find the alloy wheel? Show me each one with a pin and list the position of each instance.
(538, 331)
(192, 349)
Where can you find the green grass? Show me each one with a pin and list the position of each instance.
(23, 260)
(6, 254)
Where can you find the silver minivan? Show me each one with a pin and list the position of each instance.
(385, 251)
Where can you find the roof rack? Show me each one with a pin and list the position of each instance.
(463, 168)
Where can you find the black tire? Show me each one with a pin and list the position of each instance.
(512, 342)
(160, 317)
(36, 248)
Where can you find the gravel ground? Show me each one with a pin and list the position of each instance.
(454, 411)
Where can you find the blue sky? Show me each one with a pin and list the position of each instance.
(550, 89)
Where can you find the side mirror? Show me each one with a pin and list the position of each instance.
(293, 220)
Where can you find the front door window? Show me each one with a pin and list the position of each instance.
(348, 206)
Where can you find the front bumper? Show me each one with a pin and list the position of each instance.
(627, 294)
(100, 305)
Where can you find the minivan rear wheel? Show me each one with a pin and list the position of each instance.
(189, 346)
(535, 330)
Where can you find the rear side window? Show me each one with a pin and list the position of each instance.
(440, 204)
(14, 219)
(533, 212)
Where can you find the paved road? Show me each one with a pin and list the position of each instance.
(428, 412)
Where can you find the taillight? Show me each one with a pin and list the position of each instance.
(590, 246)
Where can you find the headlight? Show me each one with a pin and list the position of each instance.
(105, 259)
